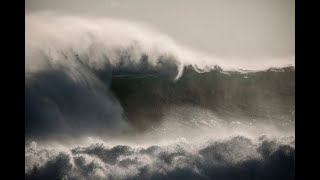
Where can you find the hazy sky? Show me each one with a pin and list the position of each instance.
(236, 28)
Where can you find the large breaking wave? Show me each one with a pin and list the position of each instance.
(161, 110)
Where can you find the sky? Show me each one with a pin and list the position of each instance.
(226, 28)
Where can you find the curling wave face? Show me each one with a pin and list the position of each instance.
(138, 90)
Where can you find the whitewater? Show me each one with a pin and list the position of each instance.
(111, 99)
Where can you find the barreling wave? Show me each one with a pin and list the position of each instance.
(139, 91)
(108, 76)
(139, 94)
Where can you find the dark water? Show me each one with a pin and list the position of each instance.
(134, 100)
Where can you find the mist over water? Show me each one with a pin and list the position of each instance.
(111, 99)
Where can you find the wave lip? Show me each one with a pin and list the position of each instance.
(103, 41)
